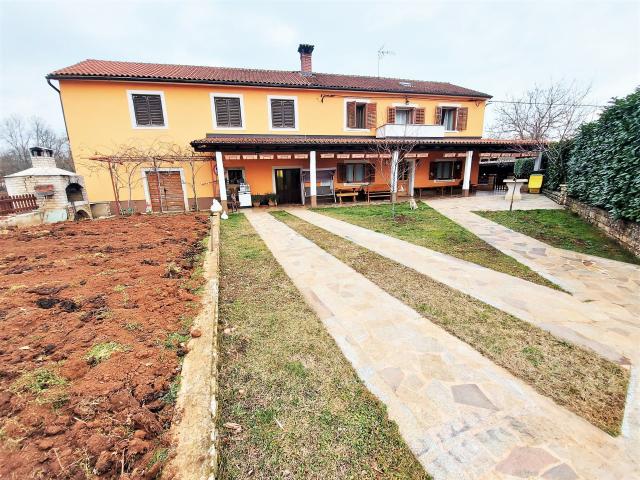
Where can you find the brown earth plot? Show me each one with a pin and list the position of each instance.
(93, 320)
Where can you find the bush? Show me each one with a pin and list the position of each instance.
(555, 160)
(523, 167)
(604, 165)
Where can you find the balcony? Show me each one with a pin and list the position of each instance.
(389, 130)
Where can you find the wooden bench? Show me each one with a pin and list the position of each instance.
(342, 195)
(374, 192)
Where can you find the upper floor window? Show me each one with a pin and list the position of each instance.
(403, 115)
(452, 118)
(227, 110)
(283, 112)
(147, 109)
(361, 114)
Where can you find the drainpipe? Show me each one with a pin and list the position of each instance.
(64, 118)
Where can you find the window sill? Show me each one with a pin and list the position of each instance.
(145, 127)
(228, 128)
(283, 129)
(445, 180)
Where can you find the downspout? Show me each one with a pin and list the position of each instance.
(64, 118)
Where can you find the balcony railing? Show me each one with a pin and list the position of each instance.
(410, 130)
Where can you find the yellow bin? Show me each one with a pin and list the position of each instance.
(535, 183)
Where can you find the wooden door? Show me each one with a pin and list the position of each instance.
(288, 187)
(165, 191)
(404, 179)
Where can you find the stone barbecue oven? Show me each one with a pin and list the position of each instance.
(61, 194)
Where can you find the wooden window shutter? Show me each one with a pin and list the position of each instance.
(283, 113)
(457, 169)
(351, 114)
(147, 110)
(370, 173)
(419, 116)
(341, 172)
(391, 115)
(438, 119)
(463, 113)
(289, 110)
(372, 115)
(433, 166)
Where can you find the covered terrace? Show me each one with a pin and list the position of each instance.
(300, 169)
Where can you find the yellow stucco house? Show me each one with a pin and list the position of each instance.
(163, 135)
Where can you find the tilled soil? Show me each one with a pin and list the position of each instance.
(93, 318)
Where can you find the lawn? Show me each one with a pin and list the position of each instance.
(291, 406)
(574, 377)
(428, 228)
(562, 229)
(93, 316)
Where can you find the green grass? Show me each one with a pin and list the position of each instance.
(302, 410)
(428, 228)
(39, 380)
(574, 377)
(103, 351)
(562, 229)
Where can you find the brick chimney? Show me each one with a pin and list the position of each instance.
(305, 52)
(42, 157)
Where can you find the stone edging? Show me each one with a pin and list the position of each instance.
(194, 435)
(625, 232)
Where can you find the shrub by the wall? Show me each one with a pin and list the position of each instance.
(523, 167)
(555, 160)
(603, 169)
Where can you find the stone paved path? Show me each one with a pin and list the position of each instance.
(608, 283)
(464, 417)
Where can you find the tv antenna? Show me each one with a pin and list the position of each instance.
(381, 54)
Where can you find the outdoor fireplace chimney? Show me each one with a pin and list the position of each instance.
(305, 52)
(42, 157)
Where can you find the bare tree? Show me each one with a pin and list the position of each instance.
(548, 115)
(18, 134)
(123, 163)
(389, 155)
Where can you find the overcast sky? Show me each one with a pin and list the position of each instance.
(500, 48)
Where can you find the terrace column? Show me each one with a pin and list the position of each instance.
(312, 179)
(467, 173)
(395, 160)
(221, 181)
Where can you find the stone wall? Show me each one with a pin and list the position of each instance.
(625, 232)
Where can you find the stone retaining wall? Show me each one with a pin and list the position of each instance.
(194, 433)
(625, 232)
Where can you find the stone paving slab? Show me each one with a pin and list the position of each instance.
(610, 284)
(557, 312)
(462, 416)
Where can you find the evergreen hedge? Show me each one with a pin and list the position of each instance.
(603, 168)
(523, 167)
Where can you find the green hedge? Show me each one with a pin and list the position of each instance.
(603, 169)
(555, 160)
(523, 167)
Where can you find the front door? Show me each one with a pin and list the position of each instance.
(288, 187)
(404, 179)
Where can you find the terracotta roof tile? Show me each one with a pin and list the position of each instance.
(234, 139)
(104, 69)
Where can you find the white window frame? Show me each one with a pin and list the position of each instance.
(212, 97)
(226, 173)
(145, 185)
(132, 112)
(451, 105)
(453, 168)
(295, 113)
(344, 112)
